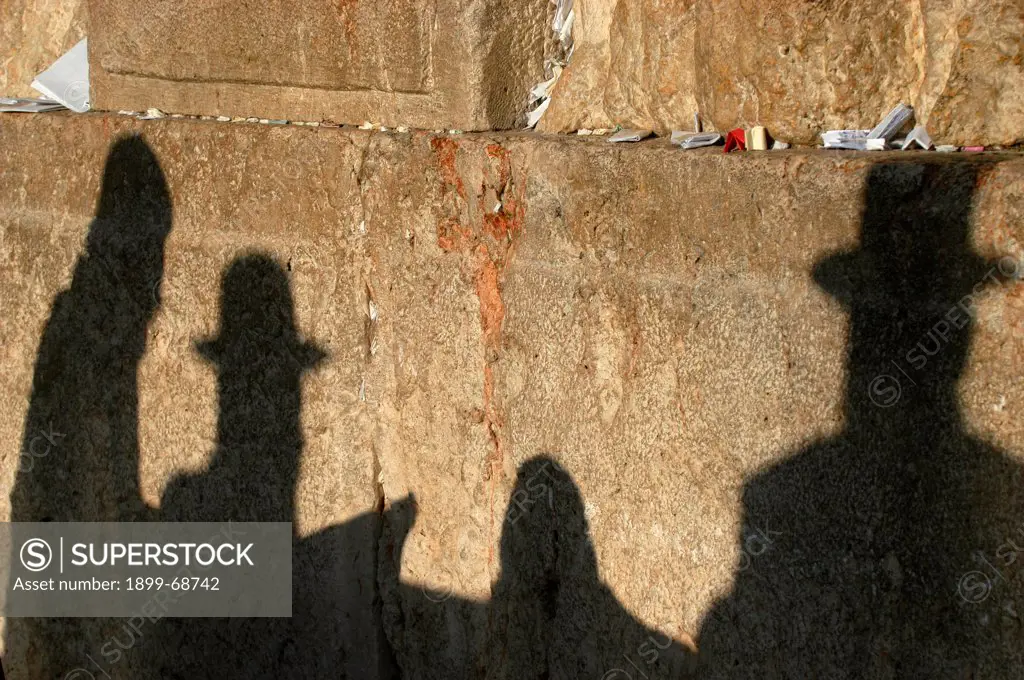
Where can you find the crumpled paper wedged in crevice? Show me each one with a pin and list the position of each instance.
(540, 95)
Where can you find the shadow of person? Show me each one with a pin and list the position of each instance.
(80, 449)
(260, 361)
(550, 615)
(882, 552)
(82, 422)
(559, 618)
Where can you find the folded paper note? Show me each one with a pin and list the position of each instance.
(695, 140)
(67, 80)
(758, 138)
(735, 139)
(28, 105)
(919, 137)
(892, 123)
(630, 135)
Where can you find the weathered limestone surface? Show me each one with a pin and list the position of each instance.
(692, 337)
(633, 64)
(33, 34)
(798, 68)
(466, 64)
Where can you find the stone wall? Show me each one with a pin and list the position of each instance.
(535, 404)
(465, 65)
(798, 68)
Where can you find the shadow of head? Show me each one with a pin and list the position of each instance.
(915, 277)
(257, 321)
(545, 530)
(133, 220)
(878, 523)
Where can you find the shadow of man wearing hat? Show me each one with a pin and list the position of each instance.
(260, 361)
(80, 459)
(893, 543)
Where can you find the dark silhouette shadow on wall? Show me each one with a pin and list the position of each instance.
(83, 411)
(560, 619)
(888, 550)
(80, 446)
(550, 615)
(82, 460)
(260, 361)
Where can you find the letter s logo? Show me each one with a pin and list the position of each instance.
(36, 554)
(885, 391)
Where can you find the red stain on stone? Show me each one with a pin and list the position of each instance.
(452, 237)
(507, 221)
(492, 315)
(492, 307)
(446, 150)
(502, 224)
(500, 153)
(347, 8)
(486, 238)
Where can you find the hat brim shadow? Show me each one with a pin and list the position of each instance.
(307, 355)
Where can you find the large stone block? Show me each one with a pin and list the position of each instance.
(799, 68)
(467, 64)
(667, 338)
(632, 65)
